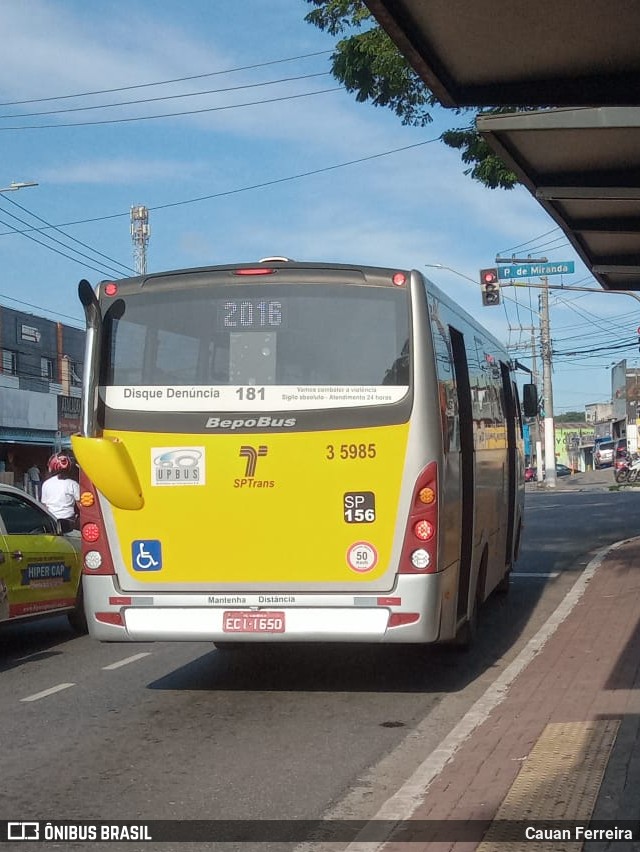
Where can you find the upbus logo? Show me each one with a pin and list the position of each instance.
(177, 466)
(252, 454)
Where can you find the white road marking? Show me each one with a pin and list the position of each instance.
(405, 801)
(45, 692)
(126, 661)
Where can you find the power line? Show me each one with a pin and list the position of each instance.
(40, 308)
(598, 350)
(595, 321)
(51, 248)
(241, 189)
(167, 82)
(169, 114)
(521, 245)
(550, 245)
(68, 236)
(167, 97)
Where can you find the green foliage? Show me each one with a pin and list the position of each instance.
(486, 167)
(571, 417)
(368, 64)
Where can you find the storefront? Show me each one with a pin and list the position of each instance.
(32, 427)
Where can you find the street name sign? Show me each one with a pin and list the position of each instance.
(535, 270)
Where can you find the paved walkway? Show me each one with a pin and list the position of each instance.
(591, 480)
(560, 736)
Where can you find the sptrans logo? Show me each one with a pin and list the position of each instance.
(252, 454)
(177, 466)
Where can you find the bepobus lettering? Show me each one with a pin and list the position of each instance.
(249, 423)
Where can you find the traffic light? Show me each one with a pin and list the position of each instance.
(490, 286)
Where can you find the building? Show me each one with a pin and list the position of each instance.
(40, 390)
(625, 393)
(598, 412)
(575, 445)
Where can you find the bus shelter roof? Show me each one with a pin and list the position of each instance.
(582, 163)
(583, 166)
(519, 53)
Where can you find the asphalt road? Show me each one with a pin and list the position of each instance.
(183, 731)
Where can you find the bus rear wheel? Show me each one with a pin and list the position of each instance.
(505, 584)
(467, 633)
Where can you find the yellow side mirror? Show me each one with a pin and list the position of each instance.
(108, 465)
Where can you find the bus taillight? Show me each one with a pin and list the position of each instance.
(420, 548)
(424, 530)
(90, 532)
(96, 556)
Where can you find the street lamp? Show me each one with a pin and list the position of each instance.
(451, 269)
(18, 184)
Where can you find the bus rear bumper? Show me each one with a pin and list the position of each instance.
(410, 613)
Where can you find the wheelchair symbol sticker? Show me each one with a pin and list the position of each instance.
(146, 554)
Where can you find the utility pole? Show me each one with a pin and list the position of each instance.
(534, 378)
(549, 431)
(535, 431)
(140, 232)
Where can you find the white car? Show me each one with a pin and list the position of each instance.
(603, 456)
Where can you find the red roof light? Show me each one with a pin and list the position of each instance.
(261, 270)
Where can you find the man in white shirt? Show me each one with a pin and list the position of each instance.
(60, 492)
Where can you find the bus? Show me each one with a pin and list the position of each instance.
(293, 452)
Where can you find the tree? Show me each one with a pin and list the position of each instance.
(368, 63)
(571, 417)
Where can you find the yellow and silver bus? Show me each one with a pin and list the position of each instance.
(293, 452)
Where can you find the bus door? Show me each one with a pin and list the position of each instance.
(465, 417)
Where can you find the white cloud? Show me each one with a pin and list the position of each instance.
(123, 171)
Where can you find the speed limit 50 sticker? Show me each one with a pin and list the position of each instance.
(362, 557)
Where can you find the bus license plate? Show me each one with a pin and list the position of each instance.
(238, 621)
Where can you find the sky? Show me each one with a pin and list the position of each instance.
(260, 153)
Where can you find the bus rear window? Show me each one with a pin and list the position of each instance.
(267, 334)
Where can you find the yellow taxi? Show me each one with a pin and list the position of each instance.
(40, 568)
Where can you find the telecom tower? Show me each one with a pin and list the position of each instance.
(140, 235)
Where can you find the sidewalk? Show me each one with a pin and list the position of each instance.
(590, 480)
(562, 742)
